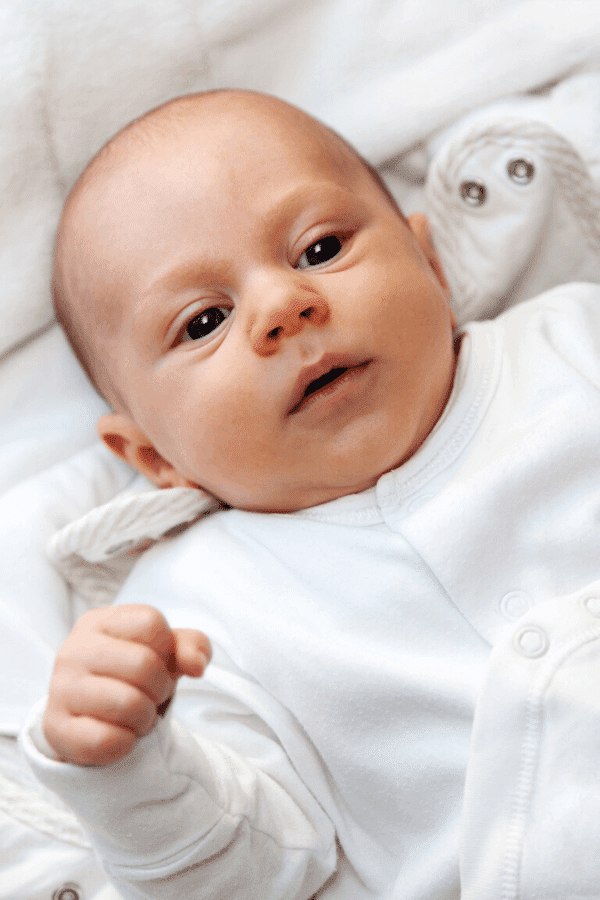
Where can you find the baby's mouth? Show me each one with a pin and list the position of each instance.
(327, 378)
(324, 380)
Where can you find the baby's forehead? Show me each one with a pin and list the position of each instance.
(230, 147)
(226, 140)
(229, 129)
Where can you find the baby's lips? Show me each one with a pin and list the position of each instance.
(312, 373)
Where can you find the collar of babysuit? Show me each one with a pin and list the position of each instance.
(402, 490)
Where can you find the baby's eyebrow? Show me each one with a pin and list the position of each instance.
(155, 303)
(183, 275)
(207, 270)
(319, 195)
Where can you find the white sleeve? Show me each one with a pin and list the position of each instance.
(183, 817)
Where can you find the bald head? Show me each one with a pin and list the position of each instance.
(95, 252)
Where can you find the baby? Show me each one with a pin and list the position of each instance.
(410, 544)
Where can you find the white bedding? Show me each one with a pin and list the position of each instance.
(401, 80)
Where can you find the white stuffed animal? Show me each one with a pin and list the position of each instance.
(514, 211)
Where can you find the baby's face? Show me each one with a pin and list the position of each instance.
(284, 336)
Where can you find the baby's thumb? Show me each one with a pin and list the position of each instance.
(191, 653)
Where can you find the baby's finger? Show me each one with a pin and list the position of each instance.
(86, 741)
(136, 664)
(139, 623)
(115, 702)
(192, 652)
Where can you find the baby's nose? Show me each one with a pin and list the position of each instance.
(282, 310)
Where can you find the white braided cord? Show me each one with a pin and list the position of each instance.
(96, 552)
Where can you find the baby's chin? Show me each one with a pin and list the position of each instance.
(292, 500)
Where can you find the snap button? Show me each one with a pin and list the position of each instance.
(68, 891)
(592, 605)
(531, 641)
(514, 605)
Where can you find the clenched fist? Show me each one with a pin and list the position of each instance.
(113, 676)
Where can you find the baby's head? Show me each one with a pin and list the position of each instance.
(246, 294)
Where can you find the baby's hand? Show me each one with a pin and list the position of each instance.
(113, 675)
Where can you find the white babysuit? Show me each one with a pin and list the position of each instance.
(404, 699)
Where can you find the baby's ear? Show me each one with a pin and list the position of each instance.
(127, 441)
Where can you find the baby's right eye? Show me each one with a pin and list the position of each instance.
(206, 322)
(320, 252)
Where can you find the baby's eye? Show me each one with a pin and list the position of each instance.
(206, 322)
(320, 252)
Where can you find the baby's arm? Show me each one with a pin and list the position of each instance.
(173, 815)
(112, 677)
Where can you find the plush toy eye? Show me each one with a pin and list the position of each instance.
(521, 170)
(474, 193)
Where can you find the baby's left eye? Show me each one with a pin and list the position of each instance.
(206, 322)
(320, 252)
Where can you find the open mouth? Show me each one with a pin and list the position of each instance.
(324, 381)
